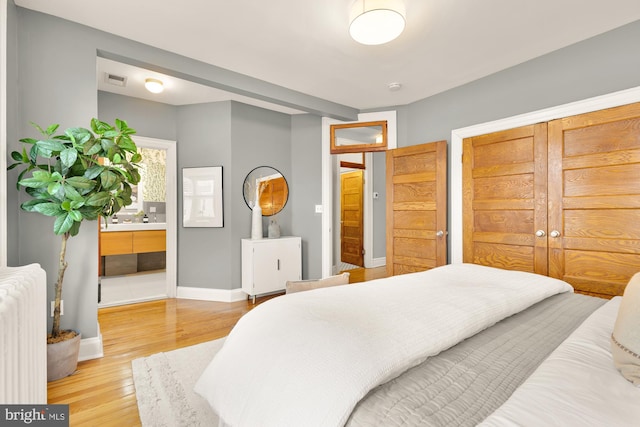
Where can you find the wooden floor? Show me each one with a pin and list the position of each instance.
(101, 392)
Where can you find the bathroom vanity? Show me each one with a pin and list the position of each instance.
(129, 248)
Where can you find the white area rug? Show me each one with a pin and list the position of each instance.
(164, 387)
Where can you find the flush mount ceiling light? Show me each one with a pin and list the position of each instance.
(376, 21)
(153, 85)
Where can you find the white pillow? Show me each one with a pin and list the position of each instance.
(307, 285)
(625, 339)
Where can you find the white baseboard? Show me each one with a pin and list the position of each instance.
(379, 262)
(207, 294)
(91, 348)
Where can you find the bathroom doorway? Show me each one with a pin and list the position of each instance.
(137, 247)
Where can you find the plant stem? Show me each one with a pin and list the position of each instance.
(62, 266)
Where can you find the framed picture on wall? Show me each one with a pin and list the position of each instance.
(202, 197)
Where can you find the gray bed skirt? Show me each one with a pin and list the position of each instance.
(466, 383)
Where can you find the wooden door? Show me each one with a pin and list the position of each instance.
(505, 199)
(351, 218)
(594, 199)
(416, 208)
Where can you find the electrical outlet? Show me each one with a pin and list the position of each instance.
(53, 306)
(318, 208)
(152, 209)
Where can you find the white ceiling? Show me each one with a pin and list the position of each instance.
(304, 45)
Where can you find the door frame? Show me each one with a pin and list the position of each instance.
(615, 99)
(327, 183)
(171, 200)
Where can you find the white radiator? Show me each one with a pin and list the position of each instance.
(23, 335)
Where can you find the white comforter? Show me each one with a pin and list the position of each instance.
(577, 385)
(306, 359)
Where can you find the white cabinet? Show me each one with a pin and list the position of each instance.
(267, 264)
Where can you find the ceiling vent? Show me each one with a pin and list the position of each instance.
(115, 80)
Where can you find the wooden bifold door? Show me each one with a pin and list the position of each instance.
(560, 198)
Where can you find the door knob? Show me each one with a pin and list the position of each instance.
(540, 233)
(439, 233)
(554, 234)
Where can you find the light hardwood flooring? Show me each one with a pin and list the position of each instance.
(101, 392)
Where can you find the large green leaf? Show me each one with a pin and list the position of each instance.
(63, 223)
(81, 182)
(29, 205)
(127, 144)
(99, 199)
(48, 209)
(72, 193)
(79, 135)
(93, 171)
(108, 179)
(33, 183)
(75, 215)
(77, 204)
(100, 127)
(50, 145)
(68, 156)
(55, 189)
(92, 147)
(75, 228)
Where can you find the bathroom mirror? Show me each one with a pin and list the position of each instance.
(358, 137)
(269, 187)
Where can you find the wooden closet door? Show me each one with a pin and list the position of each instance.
(594, 199)
(505, 199)
(351, 218)
(416, 208)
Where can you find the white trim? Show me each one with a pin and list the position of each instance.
(171, 206)
(3, 132)
(327, 179)
(615, 99)
(91, 348)
(367, 236)
(208, 294)
(327, 199)
(378, 262)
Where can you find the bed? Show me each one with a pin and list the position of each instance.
(455, 345)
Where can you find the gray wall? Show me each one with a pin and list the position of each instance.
(379, 205)
(204, 139)
(597, 66)
(150, 119)
(306, 190)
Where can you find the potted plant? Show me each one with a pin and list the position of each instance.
(79, 175)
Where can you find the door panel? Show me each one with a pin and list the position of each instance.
(505, 197)
(595, 201)
(351, 218)
(416, 208)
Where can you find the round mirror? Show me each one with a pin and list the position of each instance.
(268, 186)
